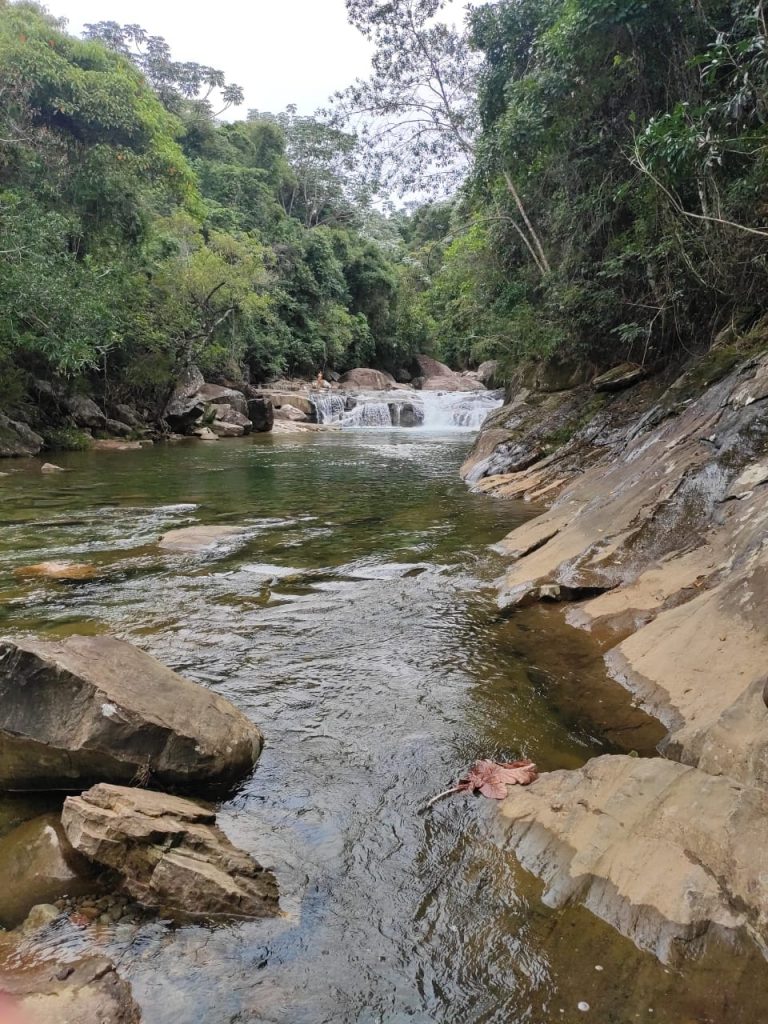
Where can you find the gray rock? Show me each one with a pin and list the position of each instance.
(169, 853)
(118, 428)
(261, 413)
(185, 406)
(88, 708)
(17, 439)
(84, 411)
(215, 394)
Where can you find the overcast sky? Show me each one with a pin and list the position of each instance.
(279, 51)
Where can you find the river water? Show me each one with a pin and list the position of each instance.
(356, 624)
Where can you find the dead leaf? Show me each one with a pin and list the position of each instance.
(491, 778)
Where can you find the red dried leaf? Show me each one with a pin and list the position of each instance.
(492, 779)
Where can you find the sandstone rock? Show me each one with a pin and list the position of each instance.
(663, 852)
(58, 570)
(221, 428)
(261, 413)
(169, 853)
(215, 394)
(89, 708)
(753, 476)
(620, 377)
(110, 445)
(85, 991)
(369, 380)
(50, 467)
(199, 538)
(205, 434)
(487, 372)
(454, 382)
(290, 412)
(17, 439)
(38, 865)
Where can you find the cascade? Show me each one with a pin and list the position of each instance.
(329, 407)
(428, 410)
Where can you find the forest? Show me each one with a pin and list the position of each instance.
(568, 180)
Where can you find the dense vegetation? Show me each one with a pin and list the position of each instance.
(138, 232)
(617, 202)
(595, 172)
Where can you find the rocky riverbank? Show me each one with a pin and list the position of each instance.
(654, 532)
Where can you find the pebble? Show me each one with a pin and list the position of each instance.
(584, 1007)
(105, 919)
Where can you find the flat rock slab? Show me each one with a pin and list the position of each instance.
(663, 852)
(90, 708)
(192, 539)
(86, 991)
(169, 854)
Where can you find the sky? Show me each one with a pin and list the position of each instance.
(279, 51)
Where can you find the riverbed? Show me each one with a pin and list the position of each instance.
(356, 623)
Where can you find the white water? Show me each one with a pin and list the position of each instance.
(427, 410)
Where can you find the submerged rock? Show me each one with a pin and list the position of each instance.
(198, 538)
(17, 439)
(51, 467)
(169, 853)
(37, 866)
(663, 852)
(58, 570)
(89, 708)
(84, 991)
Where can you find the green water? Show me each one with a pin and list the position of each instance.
(356, 623)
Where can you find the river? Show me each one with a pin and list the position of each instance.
(357, 626)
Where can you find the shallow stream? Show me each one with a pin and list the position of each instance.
(356, 624)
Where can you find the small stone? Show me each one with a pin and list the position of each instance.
(105, 919)
(64, 973)
(599, 967)
(49, 467)
(584, 1007)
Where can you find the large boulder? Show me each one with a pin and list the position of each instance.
(17, 439)
(261, 413)
(226, 414)
(84, 411)
(368, 380)
(76, 711)
(38, 865)
(215, 394)
(298, 401)
(487, 372)
(185, 406)
(429, 368)
(290, 412)
(169, 853)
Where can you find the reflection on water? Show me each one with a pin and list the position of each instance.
(355, 621)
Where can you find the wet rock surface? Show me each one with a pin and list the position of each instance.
(613, 837)
(369, 380)
(93, 708)
(656, 533)
(38, 865)
(169, 853)
(83, 991)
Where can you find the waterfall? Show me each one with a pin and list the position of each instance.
(368, 414)
(428, 410)
(329, 407)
